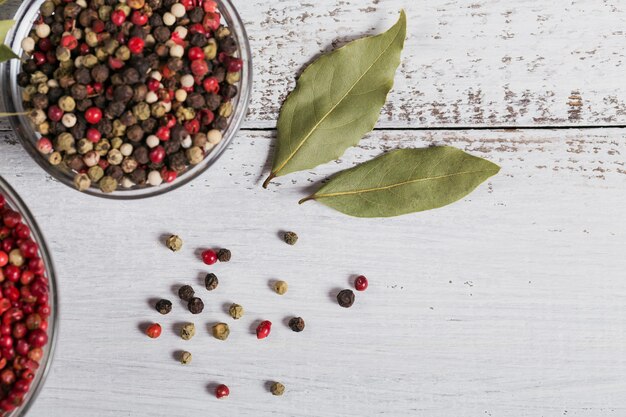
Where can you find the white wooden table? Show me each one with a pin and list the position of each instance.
(509, 303)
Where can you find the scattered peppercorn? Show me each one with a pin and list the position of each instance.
(222, 391)
(174, 243)
(188, 331)
(361, 283)
(290, 238)
(195, 305)
(164, 306)
(281, 287)
(221, 331)
(296, 324)
(186, 292)
(223, 255)
(263, 329)
(210, 281)
(154, 330)
(345, 298)
(277, 389)
(235, 311)
(185, 357)
(209, 257)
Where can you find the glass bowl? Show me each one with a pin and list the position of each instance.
(14, 202)
(26, 16)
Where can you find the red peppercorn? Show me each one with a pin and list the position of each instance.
(83, 49)
(45, 44)
(163, 133)
(118, 17)
(7, 377)
(235, 64)
(188, 4)
(28, 248)
(98, 87)
(94, 135)
(170, 120)
(12, 273)
(199, 67)
(40, 58)
(38, 338)
(98, 26)
(4, 259)
(36, 265)
(197, 28)
(168, 176)
(139, 18)
(44, 145)
(211, 85)
(21, 386)
(154, 330)
(195, 52)
(93, 115)
(209, 257)
(55, 113)
(136, 44)
(263, 329)
(153, 84)
(22, 231)
(51, 57)
(157, 155)
(120, 38)
(360, 283)
(209, 5)
(192, 126)
(115, 63)
(222, 391)
(103, 163)
(11, 293)
(69, 41)
(206, 116)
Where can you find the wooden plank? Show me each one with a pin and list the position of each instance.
(509, 303)
(466, 63)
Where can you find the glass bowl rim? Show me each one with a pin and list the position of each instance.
(25, 16)
(16, 203)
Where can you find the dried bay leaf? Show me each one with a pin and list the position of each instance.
(405, 181)
(336, 101)
(5, 52)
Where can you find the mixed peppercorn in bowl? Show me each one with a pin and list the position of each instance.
(28, 306)
(127, 98)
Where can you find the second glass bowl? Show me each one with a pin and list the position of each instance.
(28, 13)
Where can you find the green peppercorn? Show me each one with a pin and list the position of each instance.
(67, 104)
(64, 142)
(195, 155)
(84, 146)
(55, 158)
(236, 311)
(108, 184)
(47, 8)
(188, 331)
(210, 50)
(103, 147)
(281, 287)
(277, 389)
(38, 77)
(233, 77)
(290, 238)
(95, 173)
(63, 54)
(82, 182)
(221, 331)
(123, 53)
(226, 109)
(141, 111)
(89, 61)
(185, 358)
(174, 243)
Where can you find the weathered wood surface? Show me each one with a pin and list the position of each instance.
(465, 64)
(508, 303)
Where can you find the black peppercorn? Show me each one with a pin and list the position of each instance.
(75, 162)
(141, 155)
(141, 64)
(82, 105)
(138, 176)
(79, 92)
(223, 255)
(30, 67)
(220, 123)
(220, 74)
(23, 79)
(100, 101)
(195, 16)
(149, 125)
(115, 171)
(178, 162)
(114, 109)
(296, 324)
(186, 293)
(228, 45)
(164, 306)
(171, 146)
(198, 39)
(134, 133)
(54, 94)
(100, 73)
(80, 128)
(128, 118)
(40, 101)
(229, 91)
(82, 76)
(161, 34)
(213, 101)
(211, 282)
(195, 305)
(130, 76)
(195, 101)
(156, 20)
(345, 298)
(123, 93)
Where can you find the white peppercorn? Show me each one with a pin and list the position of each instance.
(154, 178)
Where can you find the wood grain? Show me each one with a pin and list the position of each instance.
(465, 64)
(508, 303)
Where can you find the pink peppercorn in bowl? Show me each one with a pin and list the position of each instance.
(156, 144)
(22, 376)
